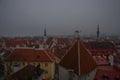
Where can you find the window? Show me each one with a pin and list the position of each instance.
(10, 63)
(16, 65)
(46, 64)
(46, 72)
(23, 63)
(34, 64)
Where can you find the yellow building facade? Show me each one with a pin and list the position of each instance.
(46, 61)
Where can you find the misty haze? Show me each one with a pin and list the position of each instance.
(59, 17)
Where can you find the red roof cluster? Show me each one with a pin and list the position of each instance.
(19, 42)
(61, 46)
(30, 55)
(100, 47)
(109, 72)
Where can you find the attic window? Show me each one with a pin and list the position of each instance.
(105, 77)
(46, 64)
(38, 56)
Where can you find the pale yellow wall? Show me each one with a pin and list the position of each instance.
(50, 68)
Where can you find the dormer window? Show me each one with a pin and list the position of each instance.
(46, 64)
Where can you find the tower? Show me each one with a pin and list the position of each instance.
(45, 38)
(98, 32)
(76, 34)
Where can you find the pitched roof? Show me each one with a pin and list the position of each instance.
(14, 42)
(101, 47)
(30, 55)
(27, 72)
(19, 42)
(109, 71)
(78, 59)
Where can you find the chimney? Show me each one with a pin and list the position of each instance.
(111, 59)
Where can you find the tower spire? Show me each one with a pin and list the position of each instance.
(45, 36)
(44, 31)
(77, 36)
(98, 32)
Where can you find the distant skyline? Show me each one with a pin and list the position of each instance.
(59, 17)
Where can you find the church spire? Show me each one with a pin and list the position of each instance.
(76, 34)
(44, 31)
(98, 32)
(45, 36)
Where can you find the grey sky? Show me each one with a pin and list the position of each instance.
(29, 17)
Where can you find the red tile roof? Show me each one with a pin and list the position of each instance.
(20, 42)
(78, 57)
(14, 42)
(63, 40)
(30, 55)
(101, 47)
(60, 52)
(108, 71)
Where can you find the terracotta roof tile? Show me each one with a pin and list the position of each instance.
(101, 47)
(76, 57)
(108, 71)
(30, 55)
(20, 42)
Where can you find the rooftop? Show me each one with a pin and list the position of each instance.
(109, 72)
(78, 59)
(30, 55)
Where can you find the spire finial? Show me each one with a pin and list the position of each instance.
(98, 32)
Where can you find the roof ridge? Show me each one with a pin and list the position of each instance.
(68, 50)
(48, 55)
(77, 59)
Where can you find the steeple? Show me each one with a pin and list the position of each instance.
(76, 34)
(45, 37)
(44, 31)
(98, 32)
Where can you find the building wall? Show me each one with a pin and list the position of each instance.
(47, 66)
(50, 69)
(64, 74)
(89, 76)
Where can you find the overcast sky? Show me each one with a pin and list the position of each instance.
(30, 17)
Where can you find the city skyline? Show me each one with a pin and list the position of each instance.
(59, 17)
